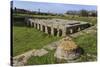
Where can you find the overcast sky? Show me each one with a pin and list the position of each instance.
(51, 7)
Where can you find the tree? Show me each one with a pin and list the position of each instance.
(83, 13)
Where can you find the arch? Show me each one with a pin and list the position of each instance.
(32, 24)
(71, 30)
(78, 29)
(55, 31)
(49, 30)
(82, 27)
(75, 29)
(86, 25)
(67, 30)
(36, 25)
(43, 28)
(60, 32)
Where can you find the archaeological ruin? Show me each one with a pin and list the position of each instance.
(57, 27)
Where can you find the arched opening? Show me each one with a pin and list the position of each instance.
(78, 29)
(86, 25)
(71, 30)
(67, 30)
(49, 30)
(36, 26)
(60, 32)
(43, 28)
(32, 24)
(82, 27)
(75, 29)
(55, 31)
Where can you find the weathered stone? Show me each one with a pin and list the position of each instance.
(20, 60)
(58, 27)
(67, 49)
(91, 29)
(52, 45)
(40, 52)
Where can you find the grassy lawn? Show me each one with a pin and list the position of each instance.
(86, 41)
(46, 59)
(89, 44)
(26, 38)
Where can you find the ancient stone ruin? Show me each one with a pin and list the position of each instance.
(67, 50)
(57, 27)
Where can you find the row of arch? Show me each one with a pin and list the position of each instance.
(74, 29)
(58, 32)
(45, 29)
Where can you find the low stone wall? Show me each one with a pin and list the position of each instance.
(57, 27)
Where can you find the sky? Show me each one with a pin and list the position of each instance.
(51, 7)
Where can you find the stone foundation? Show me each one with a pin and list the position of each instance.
(57, 27)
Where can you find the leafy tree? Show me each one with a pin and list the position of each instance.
(83, 13)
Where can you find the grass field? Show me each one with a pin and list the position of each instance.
(26, 38)
(46, 59)
(88, 42)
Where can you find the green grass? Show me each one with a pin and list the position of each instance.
(46, 59)
(26, 38)
(87, 42)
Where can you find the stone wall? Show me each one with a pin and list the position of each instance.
(57, 27)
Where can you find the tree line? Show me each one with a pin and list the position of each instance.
(84, 13)
(24, 11)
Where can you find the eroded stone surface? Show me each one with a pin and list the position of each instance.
(20, 60)
(52, 45)
(57, 27)
(67, 49)
(40, 52)
(91, 29)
